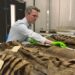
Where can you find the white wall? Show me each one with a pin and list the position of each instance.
(41, 22)
(29, 2)
(62, 14)
(54, 14)
(65, 14)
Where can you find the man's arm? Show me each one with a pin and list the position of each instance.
(30, 33)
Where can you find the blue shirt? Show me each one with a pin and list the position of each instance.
(21, 30)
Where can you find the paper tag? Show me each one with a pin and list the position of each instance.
(15, 48)
(1, 63)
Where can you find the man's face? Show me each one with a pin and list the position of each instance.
(33, 16)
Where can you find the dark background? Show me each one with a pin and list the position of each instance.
(5, 16)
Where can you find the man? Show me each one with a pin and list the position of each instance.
(21, 29)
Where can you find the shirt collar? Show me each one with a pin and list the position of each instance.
(25, 21)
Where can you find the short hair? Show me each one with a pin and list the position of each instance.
(28, 10)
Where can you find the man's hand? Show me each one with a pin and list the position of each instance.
(35, 42)
(59, 43)
(47, 42)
